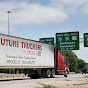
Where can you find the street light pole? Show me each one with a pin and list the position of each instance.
(8, 21)
(8, 30)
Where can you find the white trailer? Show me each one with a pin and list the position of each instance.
(36, 58)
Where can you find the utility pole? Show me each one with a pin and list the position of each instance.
(81, 40)
(8, 21)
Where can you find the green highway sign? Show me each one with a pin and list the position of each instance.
(47, 40)
(67, 41)
(85, 39)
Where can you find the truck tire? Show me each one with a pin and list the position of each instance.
(53, 73)
(34, 76)
(66, 73)
(43, 74)
(48, 73)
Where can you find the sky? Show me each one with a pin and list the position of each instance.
(34, 19)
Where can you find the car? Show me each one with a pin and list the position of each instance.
(84, 70)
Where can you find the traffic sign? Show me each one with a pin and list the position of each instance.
(85, 39)
(47, 40)
(67, 41)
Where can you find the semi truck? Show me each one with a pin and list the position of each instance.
(35, 58)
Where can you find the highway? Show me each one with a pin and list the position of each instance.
(17, 83)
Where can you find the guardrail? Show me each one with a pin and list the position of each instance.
(12, 75)
(71, 72)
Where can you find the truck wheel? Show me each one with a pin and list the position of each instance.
(48, 73)
(66, 73)
(53, 73)
(31, 76)
(43, 74)
(34, 76)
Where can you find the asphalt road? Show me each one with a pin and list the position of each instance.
(28, 80)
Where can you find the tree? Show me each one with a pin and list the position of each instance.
(81, 64)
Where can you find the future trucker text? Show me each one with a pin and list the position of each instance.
(25, 45)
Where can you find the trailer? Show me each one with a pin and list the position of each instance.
(35, 58)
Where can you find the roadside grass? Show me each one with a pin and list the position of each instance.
(67, 80)
(86, 81)
(49, 86)
(78, 73)
(86, 76)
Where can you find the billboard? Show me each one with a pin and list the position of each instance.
(85, 39)
(67, 41)
(47, 40)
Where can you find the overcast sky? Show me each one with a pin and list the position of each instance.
(36, 19)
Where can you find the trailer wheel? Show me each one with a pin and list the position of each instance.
(34, 76)
(66, 73)
(48, 73)
(43, 74)
(53, 73)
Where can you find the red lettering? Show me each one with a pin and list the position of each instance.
(10, 43)
(14, 43)
(6, 42)
(17, 43)
(22, 44)
(31, 45)
(28, 46)
(3, 42)
(38, 47)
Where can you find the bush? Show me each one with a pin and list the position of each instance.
(49, 86)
